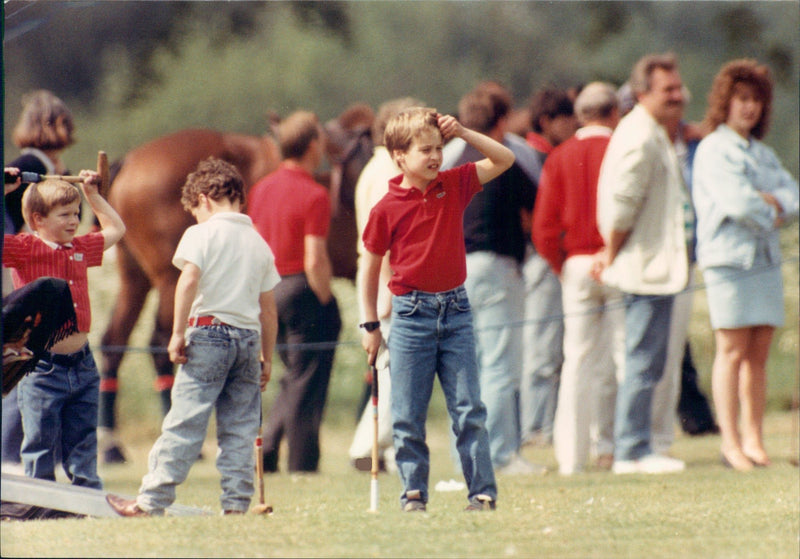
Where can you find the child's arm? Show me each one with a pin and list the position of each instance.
(371, 341)
(498, 157)
(185, 291)
(269, 333)
(111, 224)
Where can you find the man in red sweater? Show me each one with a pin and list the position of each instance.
(565, 234)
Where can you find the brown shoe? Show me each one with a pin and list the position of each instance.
(226, 512)
(605, 462)
(125, 507)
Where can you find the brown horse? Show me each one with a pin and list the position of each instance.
(146, 192)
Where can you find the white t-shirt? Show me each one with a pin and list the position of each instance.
(236, 266)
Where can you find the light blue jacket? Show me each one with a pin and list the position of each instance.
(732, 218)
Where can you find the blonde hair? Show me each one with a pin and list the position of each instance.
(45, 123)
(407, 125)
(42, 197)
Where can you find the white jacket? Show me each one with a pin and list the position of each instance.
(641, 190)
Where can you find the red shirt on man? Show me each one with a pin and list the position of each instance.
(32, 258)
(286, 206)
(565, 212)
(424, 232)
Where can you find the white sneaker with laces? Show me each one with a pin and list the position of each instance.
(650, 464)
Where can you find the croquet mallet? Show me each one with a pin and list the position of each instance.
(261, 507)
(102, 170)
(373, 487)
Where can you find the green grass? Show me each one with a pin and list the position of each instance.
(707, 511)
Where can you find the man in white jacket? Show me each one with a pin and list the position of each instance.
(644, 214)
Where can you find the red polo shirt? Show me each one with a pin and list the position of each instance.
(31, 258)
(286, 206)
(424, 232)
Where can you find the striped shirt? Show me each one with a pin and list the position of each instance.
(32, 258)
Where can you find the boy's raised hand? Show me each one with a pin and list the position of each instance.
(449, 127)
(91, 182)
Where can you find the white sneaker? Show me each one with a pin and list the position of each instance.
(650, 464)
(519, 466)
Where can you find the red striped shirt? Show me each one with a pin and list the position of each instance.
(32, 258)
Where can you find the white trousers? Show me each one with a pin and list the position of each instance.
(594, 352)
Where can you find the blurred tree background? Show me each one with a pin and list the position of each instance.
(132, 70)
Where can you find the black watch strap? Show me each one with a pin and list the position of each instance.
(370, 326)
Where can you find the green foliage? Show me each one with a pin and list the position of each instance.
(140, 69)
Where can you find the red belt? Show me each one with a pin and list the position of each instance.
(206, 321)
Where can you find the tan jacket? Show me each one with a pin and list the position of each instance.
(641, 190)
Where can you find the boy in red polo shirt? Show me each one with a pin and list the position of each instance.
(58, 399)
(419, 222)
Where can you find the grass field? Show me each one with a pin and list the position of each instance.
(707, 511)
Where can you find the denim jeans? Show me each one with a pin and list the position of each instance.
(496, 294)
(647, 326)
(432, 334)
(58, 401)
(222, 374)
(542, 342)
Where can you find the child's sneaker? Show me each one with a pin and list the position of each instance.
(481, 502)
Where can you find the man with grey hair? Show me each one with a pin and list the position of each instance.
(565, 234)
(644, 214)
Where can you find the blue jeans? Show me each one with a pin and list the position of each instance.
(222, 374)
(496, 294)
(647, 325)
(58, 401)
(432, 334)
(543, 348)
(11, 428)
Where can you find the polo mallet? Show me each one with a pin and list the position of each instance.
(102, 170)
(373, 486)
(261, 507)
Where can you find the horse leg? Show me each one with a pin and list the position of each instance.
(134, 287)
(160, 339)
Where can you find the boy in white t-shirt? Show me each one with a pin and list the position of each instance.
(224, 295)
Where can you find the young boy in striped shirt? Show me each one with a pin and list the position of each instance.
(58, 399)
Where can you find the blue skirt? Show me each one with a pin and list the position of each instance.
(738, 298)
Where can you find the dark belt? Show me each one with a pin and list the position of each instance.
(206, 321)
(67, 359)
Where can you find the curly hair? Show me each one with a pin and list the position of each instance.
(743, 71)
(215, 178)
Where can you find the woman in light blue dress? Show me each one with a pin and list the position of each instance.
(742, 196)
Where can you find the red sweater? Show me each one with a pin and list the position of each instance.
(565, 213)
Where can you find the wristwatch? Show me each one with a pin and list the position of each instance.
(370, 326)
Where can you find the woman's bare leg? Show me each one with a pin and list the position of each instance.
(753, 394)
(731, 346)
